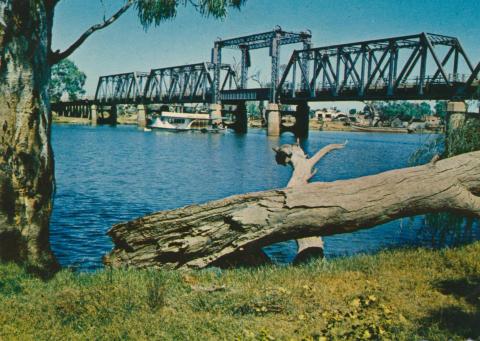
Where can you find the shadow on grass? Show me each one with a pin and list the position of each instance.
(455, 320)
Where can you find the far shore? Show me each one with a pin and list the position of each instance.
(314, 124)
(128, 120)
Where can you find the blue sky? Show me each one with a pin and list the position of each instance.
(125, 46)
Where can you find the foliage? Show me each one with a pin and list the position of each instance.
(446, 228)
(253, 110)
(441, 109)
(156, 290)
(435, 145)
(398, 294)
(156, 11)
(364, 318)
(464, 139)
(68, 80)
(403, 110)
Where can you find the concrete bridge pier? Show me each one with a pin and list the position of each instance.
(112, 119)
(142, 115)
(455, 121)
(216, 113)
(274, 119)
(461, 126)
(94, 114)
(301, 120)
(241, 119)
(456, 114)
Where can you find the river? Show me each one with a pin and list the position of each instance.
(106, 175)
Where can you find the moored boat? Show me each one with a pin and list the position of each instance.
(175, 121)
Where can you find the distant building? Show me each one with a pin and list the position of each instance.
(362, 119)
(330, 114)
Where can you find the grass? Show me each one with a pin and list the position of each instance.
(399, 294)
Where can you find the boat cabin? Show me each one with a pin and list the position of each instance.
(183, 121)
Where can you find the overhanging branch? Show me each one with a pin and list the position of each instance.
(57, 56)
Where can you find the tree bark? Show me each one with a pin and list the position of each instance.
(201, 235)
(26, 160)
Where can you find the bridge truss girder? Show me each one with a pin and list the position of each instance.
(385, 69)
(186, 83)
(122, 88)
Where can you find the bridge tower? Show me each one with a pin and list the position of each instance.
(272, 40)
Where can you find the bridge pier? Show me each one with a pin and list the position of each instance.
(455, 121)
(94, 115)
(241, 119)
(456, 114)
(141, 115)
(302, 116)
(112, 119)
(216, 113)
(274, 119)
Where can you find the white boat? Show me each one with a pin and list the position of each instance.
(175, 121)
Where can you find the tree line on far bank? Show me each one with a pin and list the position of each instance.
(407, 110)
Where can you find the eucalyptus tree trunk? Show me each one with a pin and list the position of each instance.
(26, 162)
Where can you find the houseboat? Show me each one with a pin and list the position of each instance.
(175, 121)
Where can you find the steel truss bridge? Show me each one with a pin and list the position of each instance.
(423, 66)
(191, 83)
(415, 67)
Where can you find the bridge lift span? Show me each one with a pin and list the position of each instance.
(272, 40)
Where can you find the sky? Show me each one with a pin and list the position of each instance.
(125, 46)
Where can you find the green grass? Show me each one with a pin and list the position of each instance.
(400, 294)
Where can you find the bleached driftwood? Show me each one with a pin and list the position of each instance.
(197, 236)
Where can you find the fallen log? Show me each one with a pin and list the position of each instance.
(198, 236)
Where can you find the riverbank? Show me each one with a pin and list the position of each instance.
(69, 120)
(129, 120)
(313, 125)
(400, 294)
(132, 120)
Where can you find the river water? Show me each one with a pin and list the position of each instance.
(105, 175)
